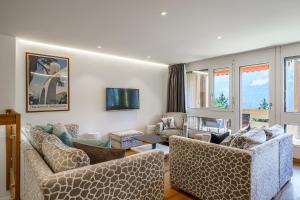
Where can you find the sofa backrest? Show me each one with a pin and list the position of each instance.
(33, 170)
(179, 118)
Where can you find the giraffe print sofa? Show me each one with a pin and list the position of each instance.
(214, 172)
(138, 177)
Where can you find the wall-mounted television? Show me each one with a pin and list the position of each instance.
(122, 99)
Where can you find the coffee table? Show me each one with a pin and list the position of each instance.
(153, 142)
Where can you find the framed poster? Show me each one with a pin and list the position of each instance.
(47, 83)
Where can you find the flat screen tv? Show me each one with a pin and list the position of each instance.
(122, 99)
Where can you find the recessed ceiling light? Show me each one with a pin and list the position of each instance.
(163, 13)
(219, 37)
(99, 47)
(149, 57)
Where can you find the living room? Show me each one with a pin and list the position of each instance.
(136, 76)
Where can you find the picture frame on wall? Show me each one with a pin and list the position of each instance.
(47, 83)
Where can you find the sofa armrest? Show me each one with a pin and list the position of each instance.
(139, 176)
(285, 159)
(210, 171)
(265, 170)
(160, 127)
(185, 129)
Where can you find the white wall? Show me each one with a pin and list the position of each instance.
(90, 74)
(7, 88)
(7, 71)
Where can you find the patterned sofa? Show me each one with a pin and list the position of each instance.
(211, 171)
(138, 177)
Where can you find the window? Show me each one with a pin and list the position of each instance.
(295, 130)
(254, 95)
(291, 84)
(197, 89)
(221, 83)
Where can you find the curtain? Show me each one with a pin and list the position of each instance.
(176, 89)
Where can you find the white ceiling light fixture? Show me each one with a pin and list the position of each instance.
(99, 47)
(163, 13)
(149, 57)
(219, 37)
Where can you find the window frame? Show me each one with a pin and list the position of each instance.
(199, 69)
(284, 84)
(212, 87)
(287, 118)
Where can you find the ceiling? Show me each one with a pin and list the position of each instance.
(136, 29)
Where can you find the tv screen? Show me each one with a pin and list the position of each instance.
(122, 99)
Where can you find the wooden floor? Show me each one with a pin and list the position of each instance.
(291, 191)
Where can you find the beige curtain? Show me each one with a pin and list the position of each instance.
(197, 90)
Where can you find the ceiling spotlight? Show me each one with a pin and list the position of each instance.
(99, 47)
(219, 37)
(163, 13)
(149, 57)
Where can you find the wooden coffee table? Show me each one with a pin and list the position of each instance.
(153, 142)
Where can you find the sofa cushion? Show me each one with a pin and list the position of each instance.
(47, 128)
(218, 138)
(73, 130)
(170, 132)
(241, 143)
(227, 141)
(256, 135)
(274, 131)
(62, 133)
(179, 118)
(248, 140)
(168, 123)
(36, 136)
(61, 157)
(100, 154)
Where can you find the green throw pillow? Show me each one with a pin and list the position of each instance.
(47, 128)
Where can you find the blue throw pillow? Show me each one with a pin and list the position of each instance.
(66, 138)
(61, 132)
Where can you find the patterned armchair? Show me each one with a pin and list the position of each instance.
(180, 124)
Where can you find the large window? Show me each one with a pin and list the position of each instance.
(254, 95)
(292, 84)
(292, 96)
(197, 89)
(221, 87)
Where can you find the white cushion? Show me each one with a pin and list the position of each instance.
(274, 131)
(168, 122)
(256, 135)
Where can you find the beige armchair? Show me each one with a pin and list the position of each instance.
(180, 124)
